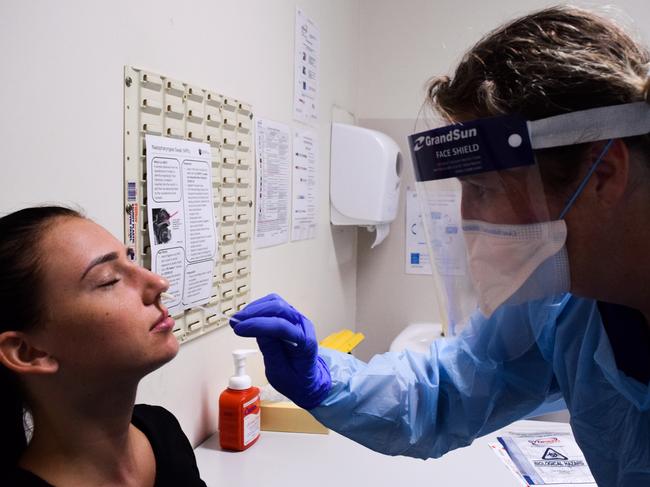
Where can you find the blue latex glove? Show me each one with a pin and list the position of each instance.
(288, 342)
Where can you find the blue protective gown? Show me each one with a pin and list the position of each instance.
(496, 372)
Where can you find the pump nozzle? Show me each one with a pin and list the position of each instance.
(240, 380)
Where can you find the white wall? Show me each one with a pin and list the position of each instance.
(61, 133)
(61, 129)
(403, 44)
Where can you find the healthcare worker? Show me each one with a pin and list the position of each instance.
(542, 172)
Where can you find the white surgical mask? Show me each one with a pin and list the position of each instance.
(516, 263)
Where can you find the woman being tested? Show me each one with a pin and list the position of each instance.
(81, 324)
(547, 138)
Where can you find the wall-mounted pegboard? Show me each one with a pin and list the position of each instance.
(158, 105)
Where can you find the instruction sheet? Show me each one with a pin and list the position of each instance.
(304, 185)
(181, 226)
(307, 60)
(273, 160)
(544, 458)
(417, 252)
(448, 245)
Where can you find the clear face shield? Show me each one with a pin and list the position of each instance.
(493, 237)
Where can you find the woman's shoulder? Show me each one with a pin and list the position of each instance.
(149, 412)
(156, 422)
(176, 464)
(161, 428)
(19, 477)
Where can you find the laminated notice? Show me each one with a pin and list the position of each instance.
(180, 210)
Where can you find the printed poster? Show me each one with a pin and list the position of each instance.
(304, 185)
(182, 229)
(306, 66)
(273, 162)
(417, 252)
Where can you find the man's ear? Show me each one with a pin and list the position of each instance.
(612, 174)
(18, 354)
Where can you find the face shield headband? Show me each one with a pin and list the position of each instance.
(510, 244)
(506, 142)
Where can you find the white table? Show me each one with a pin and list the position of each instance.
(311, 460)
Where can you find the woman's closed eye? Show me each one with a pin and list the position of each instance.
(109, 283)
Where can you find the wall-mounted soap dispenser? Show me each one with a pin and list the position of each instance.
(364, 179)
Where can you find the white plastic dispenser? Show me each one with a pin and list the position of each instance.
(240, 380)
(365, 177)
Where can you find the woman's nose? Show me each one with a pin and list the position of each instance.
(154, 285)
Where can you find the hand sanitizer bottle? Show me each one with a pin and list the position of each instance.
(239, 408)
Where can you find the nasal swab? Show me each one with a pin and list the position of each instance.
(219, 314)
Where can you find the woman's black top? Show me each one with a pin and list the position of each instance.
(175, 461)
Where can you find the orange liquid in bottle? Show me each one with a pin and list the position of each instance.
(239, 418)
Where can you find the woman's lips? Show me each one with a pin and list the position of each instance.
(166, 323)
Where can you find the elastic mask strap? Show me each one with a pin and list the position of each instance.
(584, 181)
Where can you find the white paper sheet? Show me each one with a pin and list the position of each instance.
(180, 210)
(273, 159)
(305, 185)
(306, 66)
(417, 252)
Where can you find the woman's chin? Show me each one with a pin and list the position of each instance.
(165, 354)
(172, 348)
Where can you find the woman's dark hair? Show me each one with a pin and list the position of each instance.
(20, 300)
(557, 60)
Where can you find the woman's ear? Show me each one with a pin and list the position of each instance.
(18, 354)
(612, 174)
